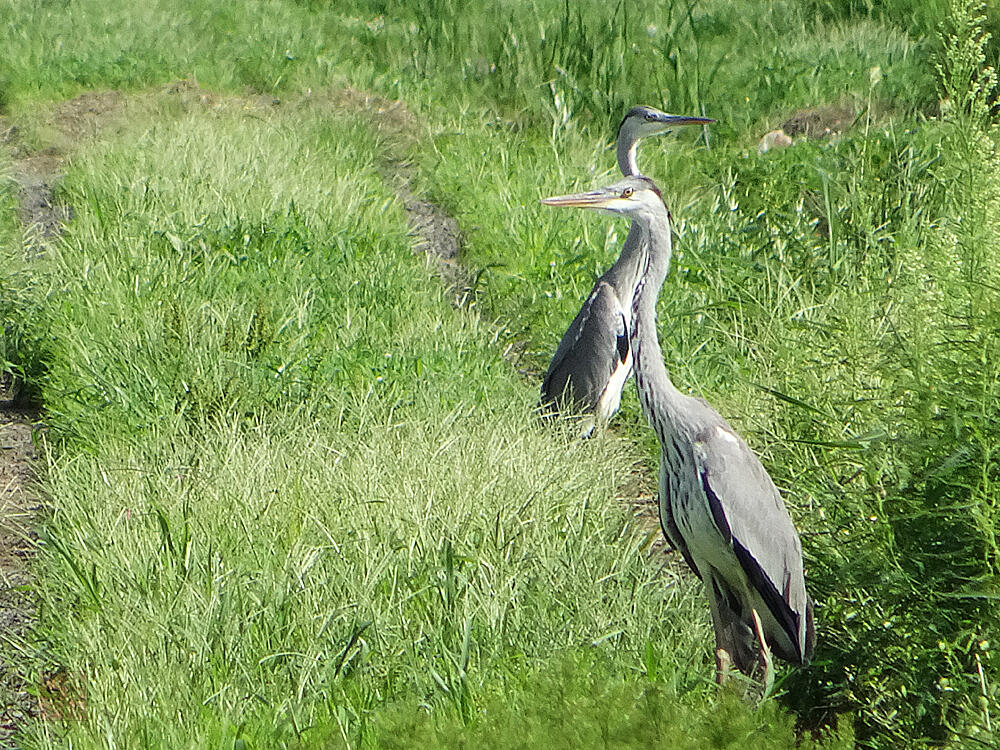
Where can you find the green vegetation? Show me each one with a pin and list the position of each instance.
(20, 348)
(321, 490)
(297, 499)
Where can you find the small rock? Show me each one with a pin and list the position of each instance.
(773, 140)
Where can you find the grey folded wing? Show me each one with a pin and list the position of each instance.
(593, 347)
(748, 510)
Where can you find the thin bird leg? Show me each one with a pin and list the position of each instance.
(766, 662)
(723, 640)
(723, 663)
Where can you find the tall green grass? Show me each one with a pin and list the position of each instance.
(835, 301)
(297, 498)
(20, 334)
(546, 63)
(305, 495)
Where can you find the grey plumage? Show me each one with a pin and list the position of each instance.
(718, 506)
(594, 350)
(593, 361)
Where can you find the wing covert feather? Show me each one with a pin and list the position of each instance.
(594, 345)
(748, 510)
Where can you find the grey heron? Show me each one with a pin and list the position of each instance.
(718, 506)
(593, 360)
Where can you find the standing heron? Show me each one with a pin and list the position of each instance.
(718, 505)
(593, 360)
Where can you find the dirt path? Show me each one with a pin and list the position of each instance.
(18, 512)
(42, 219)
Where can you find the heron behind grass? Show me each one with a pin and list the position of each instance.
(717, 504)
(593, 360)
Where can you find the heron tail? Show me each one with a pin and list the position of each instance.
(810, 633)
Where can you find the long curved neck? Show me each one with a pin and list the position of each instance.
(656, 391)
(625, 274)
(626, 155)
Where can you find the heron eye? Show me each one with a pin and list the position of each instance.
(649, 118)
(627, 192)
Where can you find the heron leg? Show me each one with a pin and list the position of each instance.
(723, 663)
(766, 662)
(723, 636)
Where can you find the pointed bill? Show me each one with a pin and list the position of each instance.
(589, 199)
(677, 120)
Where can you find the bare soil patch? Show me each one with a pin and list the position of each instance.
(41, 214)
(35, 174)
(829, 121)
(820, 122)
(436, 234)
(19, 509)
(86, 115)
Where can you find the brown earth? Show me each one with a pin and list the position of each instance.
(820, 122)
(829, 121)
(18, 512)
(34, 175)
